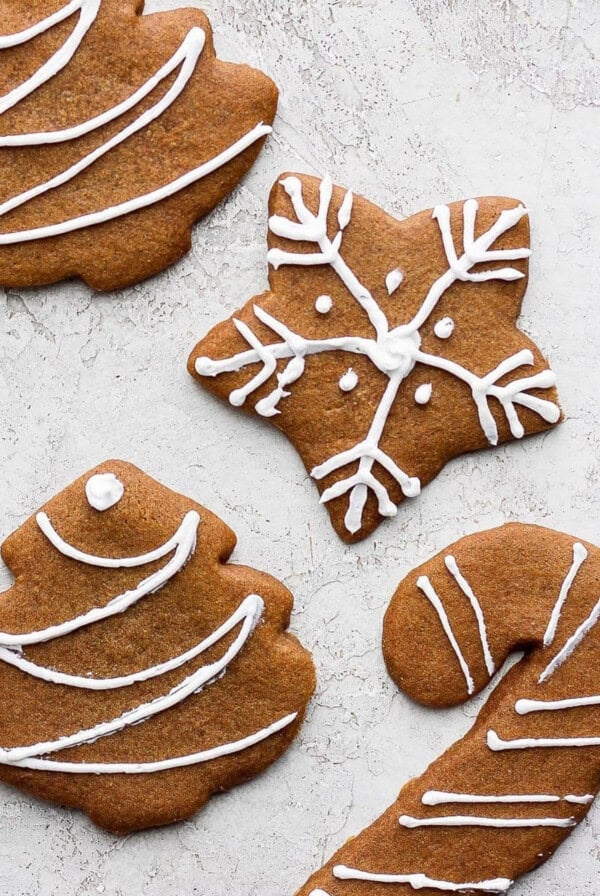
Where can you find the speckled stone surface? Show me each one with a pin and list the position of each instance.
(410, 103)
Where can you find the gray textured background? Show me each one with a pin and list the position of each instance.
(410, 103)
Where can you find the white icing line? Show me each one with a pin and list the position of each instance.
(88, 12)
(443, 797)
(251, 608)
(529, 743)
(419, 881)
(147, 199)
(579, 556)
(185, 534)
(523, 707)
(479, 821)
(137, 768)
(190, 685)
(571, 645)
(184, 542)
(462, 583)
(424, 584)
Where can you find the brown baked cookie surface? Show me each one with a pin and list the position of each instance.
(384, 348)
(117, 133)
(500, 801)
(140, 672)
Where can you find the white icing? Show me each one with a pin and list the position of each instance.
(444, 328)
(479, 821)
(185, 58)
(530, 743)
(424, 584)
(393, 280)
(523, 707)
(420, 881)
(345, 212)
(103, 490)
(140, 768)
(348, 381)
(443, 797)
(572, 644)
(250, 609)
(423, 393)
(464, 586)
(393, 351)
(247, 616)
(324, 304)
(579, 556)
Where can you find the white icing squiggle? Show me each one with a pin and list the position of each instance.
(479, 821)
(530, 743)
(424, 584)
(443, 797)
(420, 881)
(452, 567)
(579, 556)
(572, 644)
(185, 58)
(523, 707)
(247, 616)
(250, 609)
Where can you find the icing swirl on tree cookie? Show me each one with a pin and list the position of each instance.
(103, 491)
(184, 61)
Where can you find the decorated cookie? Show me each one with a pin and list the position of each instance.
(384, 348)
(139, 671)
(117, 132)
(500, 801)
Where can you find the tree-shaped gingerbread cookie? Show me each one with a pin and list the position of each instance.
(384, 348)
(139, 671)
(118, 132)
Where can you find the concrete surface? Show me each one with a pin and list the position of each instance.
(410, 102)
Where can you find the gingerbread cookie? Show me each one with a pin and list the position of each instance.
(139, 671)
(384, 348)
(501, 800)
(117, 133)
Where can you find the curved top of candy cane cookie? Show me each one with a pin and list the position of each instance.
(487, 595)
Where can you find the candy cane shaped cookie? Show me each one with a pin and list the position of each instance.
(500, 801)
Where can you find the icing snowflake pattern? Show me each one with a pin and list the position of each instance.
(393, 350)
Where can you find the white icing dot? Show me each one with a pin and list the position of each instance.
(103, 490)
(324, 304)
(393, 280)
(349, 381)
(444, 328)
(423, 393)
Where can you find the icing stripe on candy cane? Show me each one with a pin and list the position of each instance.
(480, 821)
(579, 556)
(523, 707)
(185, 58)
(572, 644)
(442, 798)
(420, 881)
(497, 744)
(462, 583)
(428, 590)
(182, 545)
